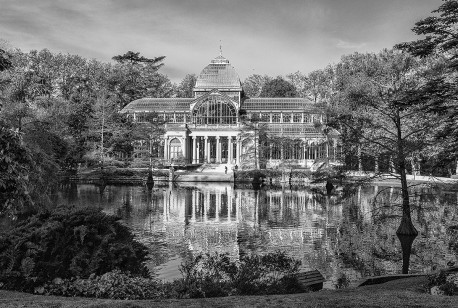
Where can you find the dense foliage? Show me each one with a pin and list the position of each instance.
(439, 38)
(278, 87)
(443, 283)
(204, 275)
(67, 243)
(113, 285)
(15, 165)
(217, 275)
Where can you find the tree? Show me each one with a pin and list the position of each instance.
(252, 85)
(254, 137)
(15, 164)
(135, 77)
(134, 58)
(186, 86)
(5, 60)
(441, 34)
(278, 87)
(320, 85)
(300, 82)
(441, 38)
(380, 102)
(151, 130)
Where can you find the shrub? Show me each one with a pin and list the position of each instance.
(443, 283)
(217, 275)
(207, 276)
(113, 285)
(67, 243)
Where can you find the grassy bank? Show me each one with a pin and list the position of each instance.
(399, 293)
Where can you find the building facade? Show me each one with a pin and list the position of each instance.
(219, 125)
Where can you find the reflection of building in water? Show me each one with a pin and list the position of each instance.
(205, 220)
(334, 235)
(226, 220)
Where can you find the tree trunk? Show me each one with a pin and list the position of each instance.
(406, 231)
(406, 245)
(406, 227)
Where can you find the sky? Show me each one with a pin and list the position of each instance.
(272, 37)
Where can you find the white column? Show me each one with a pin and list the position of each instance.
(218, 150)
(238, 152)
(206, 149)
(335, 149)
(229, 150)
(304, 151)
(194, 150)
(197, 151)
(166, 148)
(327, 149)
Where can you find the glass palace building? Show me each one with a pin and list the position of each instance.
(211, 126)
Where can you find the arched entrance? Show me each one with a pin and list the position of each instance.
(175, 148)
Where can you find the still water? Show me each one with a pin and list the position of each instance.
(346, 235)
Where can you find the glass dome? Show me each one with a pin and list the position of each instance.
(219, 74)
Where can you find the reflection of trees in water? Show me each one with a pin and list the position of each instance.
(371, 246)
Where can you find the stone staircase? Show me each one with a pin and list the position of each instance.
(214, 168)
(208, 173)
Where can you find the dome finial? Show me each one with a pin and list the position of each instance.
(220, 49)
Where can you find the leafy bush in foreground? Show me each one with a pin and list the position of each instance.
(113, 285)
(67, 243)
(443, 283)
(217, 275)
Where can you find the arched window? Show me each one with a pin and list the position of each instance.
(175, 148)
(213, 111)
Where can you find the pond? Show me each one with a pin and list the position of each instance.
(347, 235)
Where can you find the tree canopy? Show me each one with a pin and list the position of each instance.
(278, 87)
(441, 40)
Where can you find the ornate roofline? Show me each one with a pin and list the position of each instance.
(150, 104)
(281, 104)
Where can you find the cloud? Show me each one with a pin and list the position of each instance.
(263, 36)
(350, 45)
